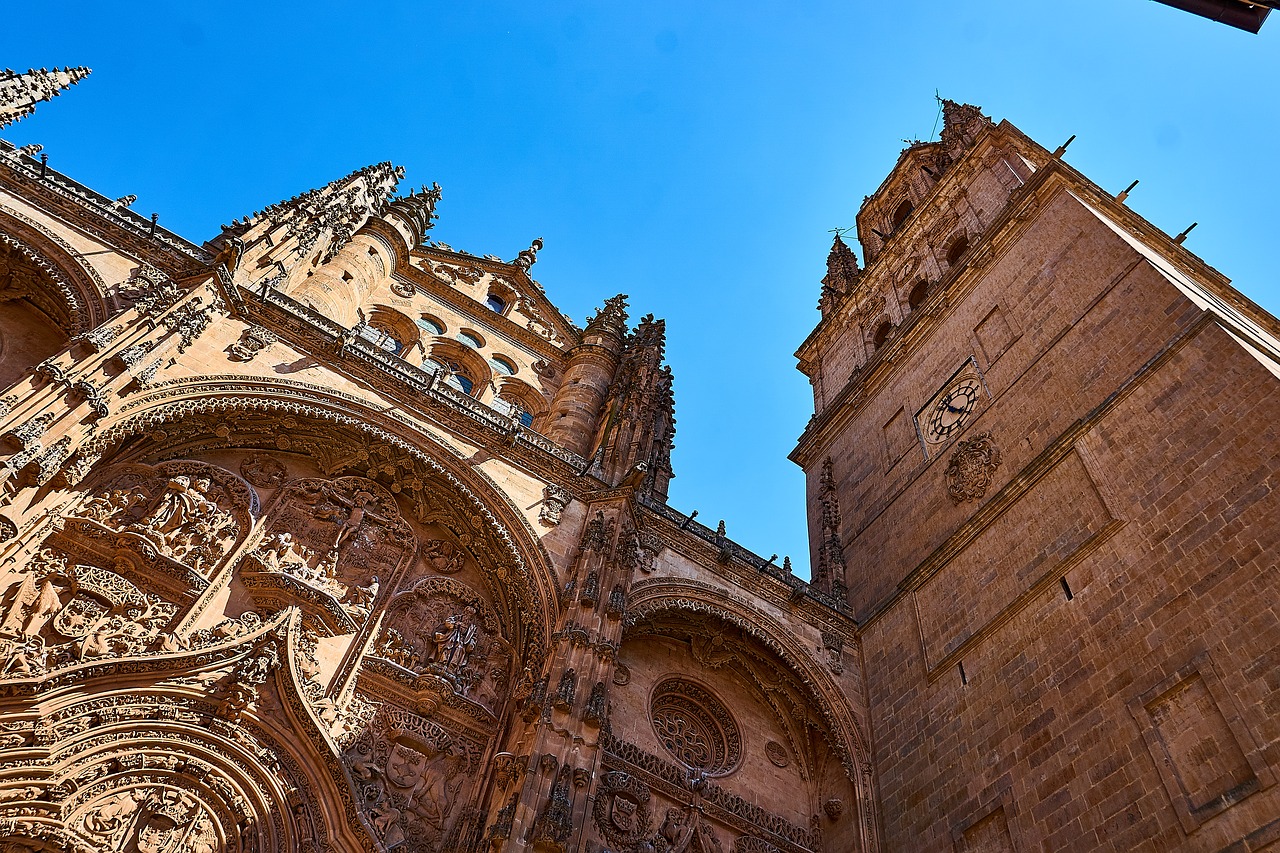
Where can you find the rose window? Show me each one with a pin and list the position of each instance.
(695, 727)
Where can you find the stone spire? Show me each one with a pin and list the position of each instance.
(19, 93)
(842, 274)
(329, 213)
(419, 208)
(641, 410)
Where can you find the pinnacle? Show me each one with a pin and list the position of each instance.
(21, 91)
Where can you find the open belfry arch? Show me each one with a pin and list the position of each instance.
(323, 535)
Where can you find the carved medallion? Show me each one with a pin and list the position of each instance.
(776, 753)
(695, 727)
(972, 466)
(443, 556)
(622, 809)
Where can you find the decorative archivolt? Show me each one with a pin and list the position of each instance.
(517, 562)
(697, 602)
(672, 607)
(150, 764)
(81, 301)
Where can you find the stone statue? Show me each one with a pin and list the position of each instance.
(454, 641)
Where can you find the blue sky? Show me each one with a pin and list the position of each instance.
(692, 155)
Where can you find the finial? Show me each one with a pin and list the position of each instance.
(126, 200)
(31, 150)
(529, 256)
(720, 529)
(786, 565)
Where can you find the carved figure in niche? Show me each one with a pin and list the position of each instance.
(622, 809)
(443, 626)
(113, 505)
(454, 641)
(360, 599)
(443, 556)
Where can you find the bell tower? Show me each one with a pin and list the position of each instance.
(1041, 469)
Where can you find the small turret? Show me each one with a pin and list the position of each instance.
(578, 405)
(20, 92)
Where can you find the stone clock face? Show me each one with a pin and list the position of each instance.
(951, 410)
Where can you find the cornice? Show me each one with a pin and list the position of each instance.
(97, 215)
(721, 557)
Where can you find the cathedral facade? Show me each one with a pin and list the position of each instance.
(323, 536)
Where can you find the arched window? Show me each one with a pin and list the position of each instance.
(917, 295)
(430, 324)
(471, 339)
(881, 335)
(496, 303)
(501, 365)
(455, 376)
(958, 247)
(901, 213)
(518, 411)
(381, 338)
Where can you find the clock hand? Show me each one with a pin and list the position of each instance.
(952, 408)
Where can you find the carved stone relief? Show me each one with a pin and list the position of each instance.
(443, 627)
(972, 467)
(326, 545)
(411, 780)
(622, 810)
(186, 513)
(57, 615)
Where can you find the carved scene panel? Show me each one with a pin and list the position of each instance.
(328, 545)
(172, 524)
(415, 782)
